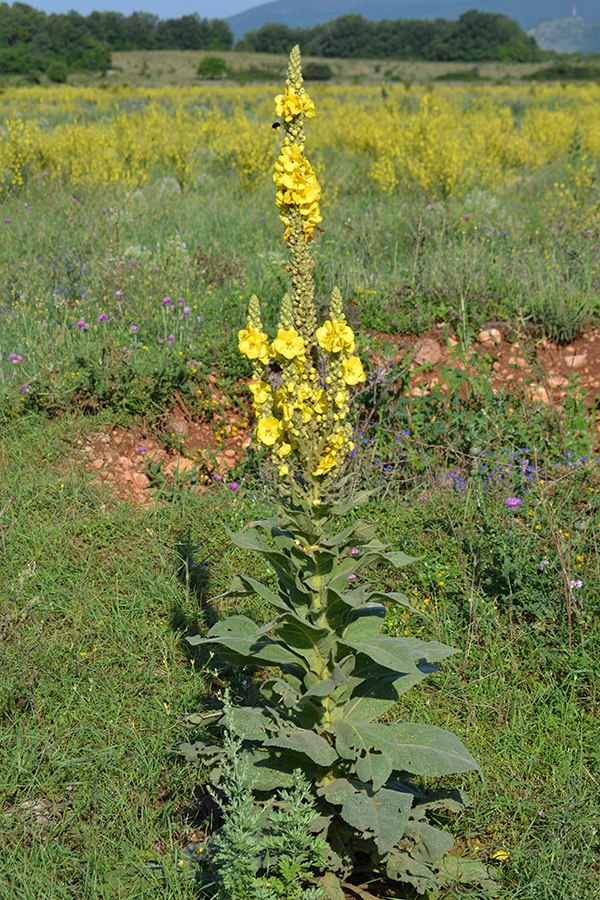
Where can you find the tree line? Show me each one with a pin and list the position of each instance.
(33, 42)
(474, 37)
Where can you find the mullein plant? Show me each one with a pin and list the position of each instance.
(336, 676)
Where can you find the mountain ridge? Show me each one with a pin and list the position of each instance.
(305, 13)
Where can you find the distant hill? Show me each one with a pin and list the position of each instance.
(528, 13)
(572, 34)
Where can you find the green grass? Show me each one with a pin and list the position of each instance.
(95, 679)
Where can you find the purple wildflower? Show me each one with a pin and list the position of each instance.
(141, 449)
(576, 583)
(15, 358)
(186, 310)
(513, 502)
(166, 301)
(217, 477)
(133, 329)
(102, 317)
(171, 339)
(118, 294)
(24, 389)
(233, 486)
(81, 323)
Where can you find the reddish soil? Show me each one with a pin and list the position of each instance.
(124, 458)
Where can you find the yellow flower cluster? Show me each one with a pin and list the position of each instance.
(302, 415)
(297, 186)
(298, 191)
(449, 140)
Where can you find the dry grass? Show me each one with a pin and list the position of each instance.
(156, 68)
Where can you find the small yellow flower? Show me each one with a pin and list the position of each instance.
(260, 391)
(289, 105)
(353, 370)
(335, 337)
(284, 470)
(253, 344)
(269, 430)
(284, 450)
(327, 462)
(288, 343)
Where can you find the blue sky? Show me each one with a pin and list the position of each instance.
(208, 9)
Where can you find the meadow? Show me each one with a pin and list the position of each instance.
(136, 223)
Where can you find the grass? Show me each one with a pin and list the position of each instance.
(97, 597)
(96, 680)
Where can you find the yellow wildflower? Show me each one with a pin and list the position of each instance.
(260, 391)
(288, 343)
(309, 106)
(335, 336)
(269, 430)
(289, 104)
(353, 370)
(253, 344)
(326, 464)
(320, 402)
(284, 470)
(284, 450)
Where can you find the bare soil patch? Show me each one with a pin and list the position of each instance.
(198, 453)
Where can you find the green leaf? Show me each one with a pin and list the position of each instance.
(365, 622)
(381, 815)
(431, 651)
(356, 500)
(251, 723)
(244, 585)
(429, 843)
(428, 750)
(457, 869)
(307, 742)
(280, 692)
(238, 634)
(336, 791)
(389, 652)
(310, 641)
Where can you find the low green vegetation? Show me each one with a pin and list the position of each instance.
(117, 304)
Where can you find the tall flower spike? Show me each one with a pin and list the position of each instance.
(286, 315)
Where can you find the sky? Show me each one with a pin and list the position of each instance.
(206, 9)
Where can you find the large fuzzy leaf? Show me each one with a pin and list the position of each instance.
(365, 622)
(380, 815)
(307, 742)
(418, 749)
(244, 585)
(423, 749)
(237, 635)
(389, 652)
(309, 641)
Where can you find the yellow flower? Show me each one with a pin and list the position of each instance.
(320, 402)
(284, 450)
(288, 343)
(260, 391)
(340, 398)
(269, 430)
(353, 370)
(284, 470)
(253, 344)
(337, 440)
(335, 336)
(326, 464)
(309, 107)
(289, 105)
